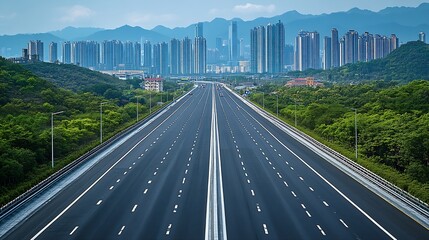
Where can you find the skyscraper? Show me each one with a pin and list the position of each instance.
(53, 52)
(394, 42)
(314, 50)
(156, 60)
(200, 55)
(335, 48)
(275, 42)
(258, 50)
(66, 51)
(342, 51)
(147, 51)
(164, 58)
(35, 50)
(199, 30)
(422, 37)
(327, 53)
(233, 42)
(174, 56)
(186, 66)
(137, 56)
(351, 46)
(129, 55)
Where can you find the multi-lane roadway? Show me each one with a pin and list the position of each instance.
(211, 167)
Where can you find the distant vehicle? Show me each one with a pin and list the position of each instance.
(191, 93)
(220, 94)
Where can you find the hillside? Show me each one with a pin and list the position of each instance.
(76, 78)
(409, 62)
(26, 104)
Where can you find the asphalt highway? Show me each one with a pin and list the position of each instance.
(211, 167)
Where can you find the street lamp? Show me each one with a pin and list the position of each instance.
(263, 100)
(295, 113)
(356, 136)
(52, 135)
(150, 102)
(101, 121)
(277, 96)
(137, 106)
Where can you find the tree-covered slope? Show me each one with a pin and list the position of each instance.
(76, 78)
(407, 63)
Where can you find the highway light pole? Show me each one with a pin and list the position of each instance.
(356, 136)
(295, 113)
(263, 100)
(101, 121)
(150, 102)
(277, 96)
(52, 135)
(137, 106)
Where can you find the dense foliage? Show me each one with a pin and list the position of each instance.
(78, 79)
(392, 120)
(26, 104)
(407, 63)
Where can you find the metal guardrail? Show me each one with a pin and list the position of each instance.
(46, 183)
(405, 197)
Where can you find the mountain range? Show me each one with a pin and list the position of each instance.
(405, 22)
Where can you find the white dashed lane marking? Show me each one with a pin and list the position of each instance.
(74, 230)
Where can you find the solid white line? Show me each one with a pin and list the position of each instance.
(74, 229)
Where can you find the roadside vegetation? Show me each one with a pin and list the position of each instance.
(392, 120)
(26, 104)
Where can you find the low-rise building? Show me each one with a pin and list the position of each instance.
(153, 84)
(304, 82)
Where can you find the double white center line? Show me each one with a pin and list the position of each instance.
(215, 214)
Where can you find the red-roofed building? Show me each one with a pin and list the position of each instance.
(304, 82)
(153, 84)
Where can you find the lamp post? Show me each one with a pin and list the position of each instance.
(263, 100)
(101, 121)
(277, 96)
(356, 136)
(150, 102)
(295, 113)
(137, 107)
(52, 135)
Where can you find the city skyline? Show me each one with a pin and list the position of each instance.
(14, 17)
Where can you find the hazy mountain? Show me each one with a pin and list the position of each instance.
(72, 33)
(11, 46)
(405, 22)
(127, 33)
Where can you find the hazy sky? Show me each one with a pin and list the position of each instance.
(32, 16)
